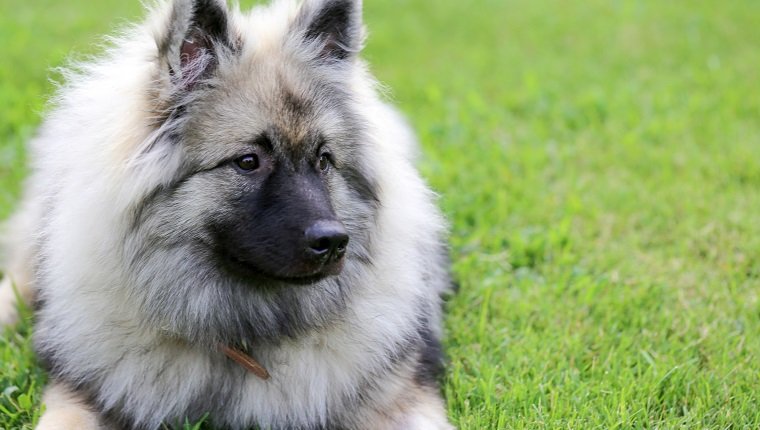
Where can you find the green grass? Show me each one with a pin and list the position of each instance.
(600, 165)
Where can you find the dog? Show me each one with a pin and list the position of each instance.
(223, 223)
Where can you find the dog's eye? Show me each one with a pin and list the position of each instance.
(324, 162)
(248, 163)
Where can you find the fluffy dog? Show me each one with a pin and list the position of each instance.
(223, 221)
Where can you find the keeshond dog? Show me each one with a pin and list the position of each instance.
(223, 223)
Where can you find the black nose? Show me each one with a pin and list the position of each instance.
(327, 238)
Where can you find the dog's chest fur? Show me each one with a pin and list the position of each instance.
(309, 381)
(141, 379)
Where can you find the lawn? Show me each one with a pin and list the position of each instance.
(600, 165)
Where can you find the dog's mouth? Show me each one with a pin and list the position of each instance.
(247, 271)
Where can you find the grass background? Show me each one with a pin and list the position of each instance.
(600, 165)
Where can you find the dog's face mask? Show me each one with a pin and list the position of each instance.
(279, 219)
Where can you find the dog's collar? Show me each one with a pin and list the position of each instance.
(245, 360)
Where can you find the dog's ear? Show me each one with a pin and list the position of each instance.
(336, 25)
(197, 33)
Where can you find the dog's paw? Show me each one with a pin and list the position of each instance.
(8, 305)
(428, 415)
(65, 411)
(423, 422)
(68, 420)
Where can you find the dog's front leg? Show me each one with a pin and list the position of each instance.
(66, 411)
(427, 413)
(415, 408)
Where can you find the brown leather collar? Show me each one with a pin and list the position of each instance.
(246, 361)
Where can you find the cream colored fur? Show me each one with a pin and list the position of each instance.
(65, 411)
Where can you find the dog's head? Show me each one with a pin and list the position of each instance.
(269, 184)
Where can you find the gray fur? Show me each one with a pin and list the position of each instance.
(134, 300)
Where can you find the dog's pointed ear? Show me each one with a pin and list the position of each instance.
(336, 25)
(198, 30)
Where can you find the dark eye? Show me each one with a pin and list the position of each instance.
(324, 162)
(248, 163)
